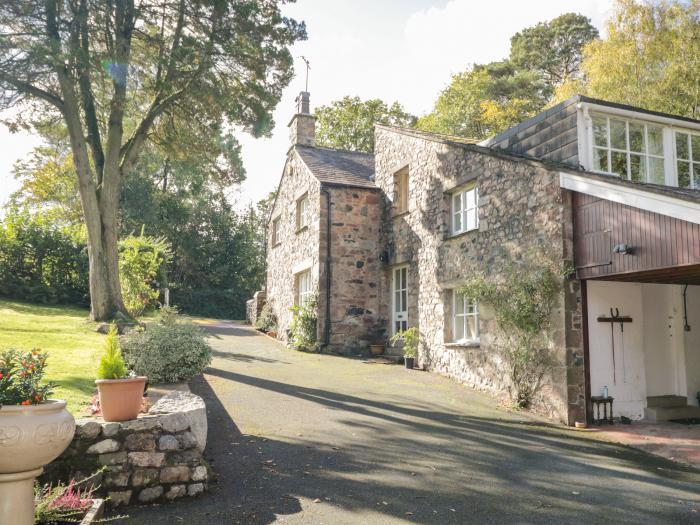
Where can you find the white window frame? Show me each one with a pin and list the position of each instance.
(462, 208)
(399, 316)
(646, 155)
(462, 318)
(693, 163)
(303, 212)
(303, 287)
(275, 231)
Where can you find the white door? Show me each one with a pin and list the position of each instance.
(399, 299)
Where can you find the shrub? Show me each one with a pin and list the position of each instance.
(410, 338)
(42, 261)
(20, 375)
(142, 271)
(266, 321)
(303, 330)
(112, 363)
(167, 351)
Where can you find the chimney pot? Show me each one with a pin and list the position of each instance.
(302, 127)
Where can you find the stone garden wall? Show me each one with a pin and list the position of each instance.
(254, 306)
(157, 457)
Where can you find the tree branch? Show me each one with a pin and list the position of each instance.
(34, 91)
(86, 96)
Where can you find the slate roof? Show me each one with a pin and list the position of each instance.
(514, 130)
(338, 167)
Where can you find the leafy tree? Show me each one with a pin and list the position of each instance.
(117, 74)
(553, 48)
(485, 100)
(348, 123)
(650, 58)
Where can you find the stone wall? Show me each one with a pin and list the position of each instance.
(355, 267)
(254, 306)
(521, 208)
(297, 250)
(157, 457)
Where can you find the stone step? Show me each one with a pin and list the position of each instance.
(668, 413)
(666, 401)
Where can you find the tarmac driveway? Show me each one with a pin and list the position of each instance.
(316, 439)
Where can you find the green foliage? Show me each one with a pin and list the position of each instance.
(266, 321)
(20, 375)
(487, 99)
(523, 300)
(142, 270)
(650, 58)
(410, 339)
(170, 350)
(348, 123)
(112, 364)
(41, 260)
(303, 331)
(553, 48)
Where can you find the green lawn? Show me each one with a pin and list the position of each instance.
(68, 337)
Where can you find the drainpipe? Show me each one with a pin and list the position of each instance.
(327, 327)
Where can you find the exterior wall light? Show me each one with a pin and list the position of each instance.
(623, 249)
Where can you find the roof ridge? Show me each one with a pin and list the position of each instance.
(336, 150)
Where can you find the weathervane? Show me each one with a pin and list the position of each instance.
(307, 72)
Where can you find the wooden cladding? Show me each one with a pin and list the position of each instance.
(663, 249)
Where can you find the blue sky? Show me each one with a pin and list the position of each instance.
(404, 50)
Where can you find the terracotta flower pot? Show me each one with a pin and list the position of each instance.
(377, 349)
(30, 437)
(120, 399)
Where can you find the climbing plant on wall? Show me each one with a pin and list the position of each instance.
(523, 297)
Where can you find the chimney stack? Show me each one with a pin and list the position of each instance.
(302, 127)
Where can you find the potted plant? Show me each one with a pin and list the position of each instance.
(120, 395)
(409, 339)
(34, 430)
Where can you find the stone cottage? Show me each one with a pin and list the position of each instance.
(384, 241)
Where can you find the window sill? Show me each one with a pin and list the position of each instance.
(396, 215)
(302, 229)
(464, 344)
(461, 234)
(276, 244)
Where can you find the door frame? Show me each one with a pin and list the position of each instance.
(394, 318)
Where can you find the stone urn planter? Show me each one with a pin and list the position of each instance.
(121, 399)
(30, 437)
(376, 348)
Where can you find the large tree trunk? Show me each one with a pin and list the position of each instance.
(105, 290)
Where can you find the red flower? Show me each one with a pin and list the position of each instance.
(27, 402)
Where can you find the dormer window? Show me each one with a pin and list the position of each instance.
(633, 150)
(688, 160)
